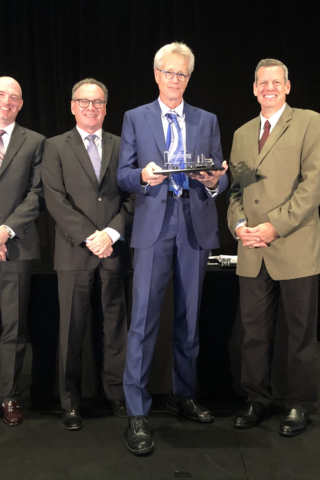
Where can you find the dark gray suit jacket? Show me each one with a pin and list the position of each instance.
(79, 204)
(21, 193)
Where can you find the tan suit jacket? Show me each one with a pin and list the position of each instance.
(281, 185)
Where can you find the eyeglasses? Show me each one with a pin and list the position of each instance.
(84, 103)
(182, 77)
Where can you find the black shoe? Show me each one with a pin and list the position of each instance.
(118, 407)
(293, 423)
(71, 420)
(138, 436)
(250, 415)
(189, 407)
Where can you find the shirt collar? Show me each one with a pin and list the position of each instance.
(84, 134)
(165, 109)
(273, 119)
(9, 128)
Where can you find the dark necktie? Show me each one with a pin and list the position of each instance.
(1, 146)
(174, 144)
(94, 155)
(265, 135)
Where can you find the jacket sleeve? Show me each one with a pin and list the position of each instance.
(29, 209)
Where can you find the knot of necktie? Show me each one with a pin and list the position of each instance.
(2, 132)
(91, 138)
(172, 118)
(267, 125)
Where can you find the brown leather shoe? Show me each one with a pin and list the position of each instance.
(12, 413)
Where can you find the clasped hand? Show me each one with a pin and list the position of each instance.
(257, 237)
(100, 244)
(3, 239)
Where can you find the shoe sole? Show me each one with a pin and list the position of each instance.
(141, 452)
(177, 412)
(292, 434)
(12, 424)
(71, 428)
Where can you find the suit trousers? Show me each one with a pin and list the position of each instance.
(176, 245)
(258, 302)
(75, 296)
(14, 299)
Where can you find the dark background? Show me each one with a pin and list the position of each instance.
(49, 45)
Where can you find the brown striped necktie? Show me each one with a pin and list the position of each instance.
(265, 135)
(1, 146)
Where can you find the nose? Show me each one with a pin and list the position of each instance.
(270, 86)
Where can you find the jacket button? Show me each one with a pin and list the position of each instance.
(99, 199)
(66, 234)
(256, 201)
(163, 201)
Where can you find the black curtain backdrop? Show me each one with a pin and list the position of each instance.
(49, 45)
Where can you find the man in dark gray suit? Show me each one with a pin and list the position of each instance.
(20, 198)
(93, 217)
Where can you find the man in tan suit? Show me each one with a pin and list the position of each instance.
(273, 212)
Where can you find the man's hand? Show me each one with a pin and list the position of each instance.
(257, 237)
(99, 242)
(209, 179)
(106, 253)
(3, 235)
(3, 251)
(148, 177)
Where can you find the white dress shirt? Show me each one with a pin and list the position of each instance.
(113, 234)
(6, 137)
(272, 120)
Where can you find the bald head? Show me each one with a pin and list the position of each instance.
(10, 100)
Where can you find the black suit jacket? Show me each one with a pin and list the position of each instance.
(79, 204)
(21, 193)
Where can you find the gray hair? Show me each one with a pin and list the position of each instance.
(271, 62)
(177, 48)
(90, 81)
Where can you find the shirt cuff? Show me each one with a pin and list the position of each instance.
(241, 223)
(212, 193)
(145, 189)
(11, 231)
(113, 234)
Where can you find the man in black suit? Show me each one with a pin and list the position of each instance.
(93, 216)
(20, 198)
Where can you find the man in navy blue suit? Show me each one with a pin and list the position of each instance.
(175, 224)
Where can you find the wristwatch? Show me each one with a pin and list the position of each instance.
(9, 232)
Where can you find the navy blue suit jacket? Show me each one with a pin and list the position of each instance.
(142, 142)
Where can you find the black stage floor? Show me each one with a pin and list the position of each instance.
(40, 449)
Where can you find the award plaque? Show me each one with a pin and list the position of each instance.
(185, 164)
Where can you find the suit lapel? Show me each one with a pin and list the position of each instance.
(192, 118)
(18, 137)
(278, 130)
(76, 143)
(107, 148)
(153, 117)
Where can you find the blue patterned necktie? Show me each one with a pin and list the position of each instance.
(174, 143)
(94, 155)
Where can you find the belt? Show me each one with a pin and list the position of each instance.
(185, 194)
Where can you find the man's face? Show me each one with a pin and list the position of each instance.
(89, 119)
(10, 100)
(171, 91)
(271, 89)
